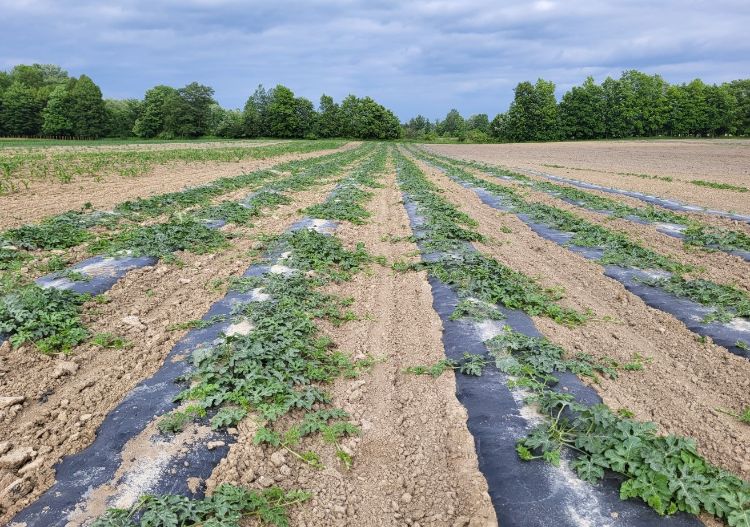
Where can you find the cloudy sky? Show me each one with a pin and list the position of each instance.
(414, 56)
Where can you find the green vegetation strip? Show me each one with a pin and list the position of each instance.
(226, 507)
(346, 201)
(664, 471)
(474, 275)
(64, 166)
(618, 248)
(51, 319)
(697, 234)
(72, 228)
(720, 186)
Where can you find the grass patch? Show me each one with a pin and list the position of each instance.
(720, 186)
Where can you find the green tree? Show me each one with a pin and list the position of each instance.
(255, 113)
(306, 117)
(582, 111)
(88, 114)
(453, 125)
(121, 116)
(56, 117)
(282, 113)
(194, 111)
(479, 122)
(532, 115)
(329, 117)
(740, 89)
(21, 110)
(159, 105)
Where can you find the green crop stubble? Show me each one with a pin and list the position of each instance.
(618, 248)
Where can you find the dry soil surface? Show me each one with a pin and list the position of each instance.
(45, 198)
(684, 381)
(614, 163)
(415, 462)
(63, 401)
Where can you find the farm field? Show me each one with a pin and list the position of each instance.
(663, 168)
(359, 333)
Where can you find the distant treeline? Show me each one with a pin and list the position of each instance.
(42, 100)
(635, 105)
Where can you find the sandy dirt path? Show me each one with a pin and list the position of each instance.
(684, 382)
(608, 162)
(415, 462)
(44, 198)
(717, 266)
(65, 401)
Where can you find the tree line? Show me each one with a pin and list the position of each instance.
(635, 105)
(43, 100)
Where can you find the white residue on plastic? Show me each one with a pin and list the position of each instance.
(142, 478)
(488, 329)
(281, 269)
(285, 255)
(257, 295)
(739, 324)
(244, 327)
(322, 226)
(671, 227)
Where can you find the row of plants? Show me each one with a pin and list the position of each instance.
(64, 166)
(697, 234)
(618, 248)
(72, 228)
(51, 319)
(447, 234)
(276, 373)
(664, 471)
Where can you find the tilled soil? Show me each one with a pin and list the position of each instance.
(684, 381)
(65, 401)
(145, 146)
(45, 198)
(605, 162)
(415, 462)
(718, 266)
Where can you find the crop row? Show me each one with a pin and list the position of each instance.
(277, 369)
(618, 249)
(50, 317)
(64, 166)
(666, 472)
(696, 233)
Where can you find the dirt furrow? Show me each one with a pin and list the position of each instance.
(683, 381)
(415, 462)
(718, 266)
(44, 198)
(66, 400)
(619, 164)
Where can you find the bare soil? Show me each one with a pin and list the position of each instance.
(46, 198)
(65, 400)
(415, 462)
(614, 163)
(172, 145)
(684, 383)
(718, 266)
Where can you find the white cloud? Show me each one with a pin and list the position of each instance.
(421, 56)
